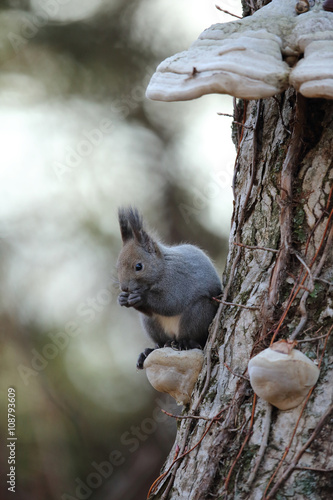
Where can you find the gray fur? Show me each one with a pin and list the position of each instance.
(176, 281)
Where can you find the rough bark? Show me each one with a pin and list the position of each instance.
(284, 202)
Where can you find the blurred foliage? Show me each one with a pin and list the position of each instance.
(66, 347)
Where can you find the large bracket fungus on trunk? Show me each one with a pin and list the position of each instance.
(255, 57)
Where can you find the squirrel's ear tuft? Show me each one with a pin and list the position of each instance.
(135, 222)
(125, 228)
(131, 226)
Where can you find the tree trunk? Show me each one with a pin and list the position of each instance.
(243, 447)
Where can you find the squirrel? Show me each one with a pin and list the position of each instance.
(171, 286)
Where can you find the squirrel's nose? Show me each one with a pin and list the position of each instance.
(124, 288)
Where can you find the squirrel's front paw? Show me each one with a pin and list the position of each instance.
(134, 299)
(123, 299)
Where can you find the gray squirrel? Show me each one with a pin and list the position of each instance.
(171, 286)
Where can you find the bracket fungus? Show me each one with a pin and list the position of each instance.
(174, 372)
(255, 57)
(282, 375)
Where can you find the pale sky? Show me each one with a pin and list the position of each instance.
(55, 270)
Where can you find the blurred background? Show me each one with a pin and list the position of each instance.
(78, 139)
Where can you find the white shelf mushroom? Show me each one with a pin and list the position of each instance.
(247, 58)
(282, 375)
(174, 372)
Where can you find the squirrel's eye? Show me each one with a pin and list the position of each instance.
(139, 266)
